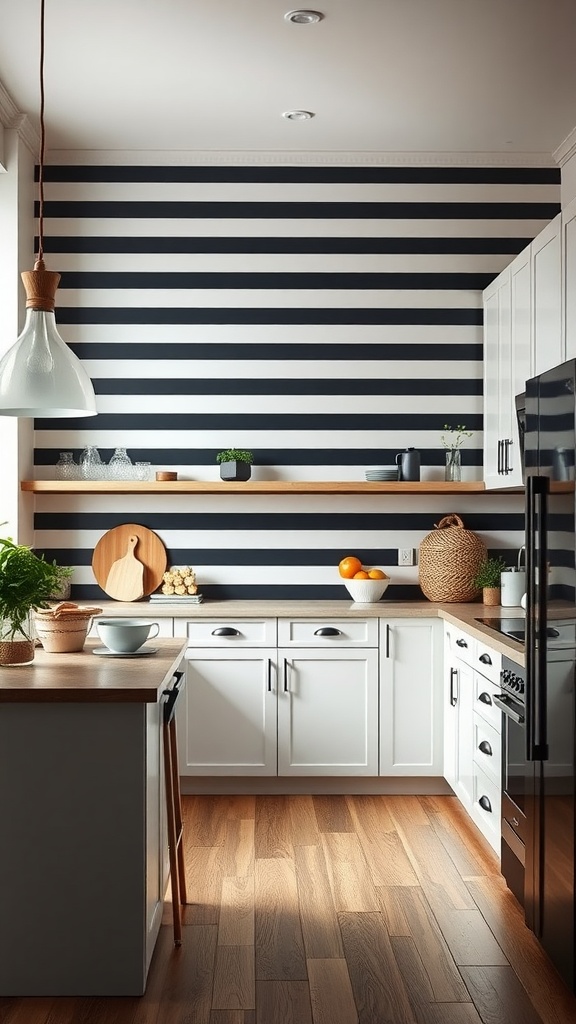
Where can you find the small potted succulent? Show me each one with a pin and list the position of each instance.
(235, 464)
(27, 582)
(487, 579)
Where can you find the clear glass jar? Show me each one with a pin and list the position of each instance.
(120, 466)
(91, 465)
(66, 468)
(453, 469)
(143, 470)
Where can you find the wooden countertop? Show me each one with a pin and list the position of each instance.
(85, 677)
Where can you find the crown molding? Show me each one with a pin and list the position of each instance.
(566, 149)
(256, 158)
(11, 117)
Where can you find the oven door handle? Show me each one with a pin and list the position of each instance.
(501, 701)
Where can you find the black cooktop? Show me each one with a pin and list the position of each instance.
(515, 628)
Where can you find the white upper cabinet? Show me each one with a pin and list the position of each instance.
(569, 278)
(546, 259)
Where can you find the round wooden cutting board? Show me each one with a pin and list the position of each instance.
(149, 550)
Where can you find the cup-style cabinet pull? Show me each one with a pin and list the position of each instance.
(225, 631)
(485, 698)
(485, 747)
(328, 631)
(485, 803)
(485, 659)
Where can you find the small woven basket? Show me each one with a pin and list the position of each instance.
(63, 633)
(449, 559)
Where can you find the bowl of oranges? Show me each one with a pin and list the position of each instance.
(364, 585)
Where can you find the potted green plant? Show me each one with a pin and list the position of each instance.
(487, 579)
(235, 464)
(27, 582)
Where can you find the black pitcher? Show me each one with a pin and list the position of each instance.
(408, 463)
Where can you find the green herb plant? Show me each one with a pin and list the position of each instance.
(457, 437)
(26, 582)
(235, 455)
(488, 574)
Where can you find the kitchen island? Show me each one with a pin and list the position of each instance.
(83, 851)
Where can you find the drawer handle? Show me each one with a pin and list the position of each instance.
(328, 631)
(225, 631)
(485, 698)
(485, 804)
(269, 675)
(485, 659)
(285, 675)
(453, 692)
(485, 747)
(461, 643)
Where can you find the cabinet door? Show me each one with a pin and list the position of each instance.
(410, 697)
(545, 255)
(156, 832)
(226, 716)
(569, 277)
(520, 366)
(464, 779)
(450, 713)
(328, 712)
(496, 303)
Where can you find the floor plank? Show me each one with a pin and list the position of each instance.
(303, 821)
(283, 1002)
(377, 985)
(272, 835)
(234, 980)
(238, 849)
(383, 849)
(331, 992)
(236, 925)
(350, 880)
(233, 1017)
(498, 996)
(188, 978)
(463, 842)
(317, 912)
(279, 942)
(203, 884)
(469, 938)
(332, 814)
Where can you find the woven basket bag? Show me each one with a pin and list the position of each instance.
(448, 561)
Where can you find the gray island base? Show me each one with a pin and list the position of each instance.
(83, 852)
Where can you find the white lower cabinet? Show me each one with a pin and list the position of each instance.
(328, 712)
(472, 729)
(410, 697)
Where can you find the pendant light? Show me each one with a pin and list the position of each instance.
(40, 375)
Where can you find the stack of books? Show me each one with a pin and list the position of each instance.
(158, 598)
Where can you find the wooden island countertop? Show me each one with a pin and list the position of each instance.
(84, 677)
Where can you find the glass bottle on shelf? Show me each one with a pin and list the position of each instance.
(120, 466)
(66, 468)
(91, 465)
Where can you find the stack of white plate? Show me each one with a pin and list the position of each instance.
(381, 472)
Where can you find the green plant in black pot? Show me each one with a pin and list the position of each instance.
(235, 464)
(26, 582)
(487, 579)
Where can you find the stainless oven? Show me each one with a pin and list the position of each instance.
(514, 776)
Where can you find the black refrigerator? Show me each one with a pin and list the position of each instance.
(550, 729)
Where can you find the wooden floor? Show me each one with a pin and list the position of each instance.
(334, 910)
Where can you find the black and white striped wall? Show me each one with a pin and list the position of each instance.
(324, 317)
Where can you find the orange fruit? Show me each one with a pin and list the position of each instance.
(348, 566)
(376, 574)
(361, 575)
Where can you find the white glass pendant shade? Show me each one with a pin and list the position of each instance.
(41, 376)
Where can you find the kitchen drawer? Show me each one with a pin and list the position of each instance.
(488, 662)
(461, 645)
(337, 632)
(228, 632)
(486, 807)
(487, 748)
(484, 693)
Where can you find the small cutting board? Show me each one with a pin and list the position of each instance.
(125, 580)
(149, 552)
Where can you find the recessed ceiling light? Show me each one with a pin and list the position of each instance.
(304, 17)
(298, 115)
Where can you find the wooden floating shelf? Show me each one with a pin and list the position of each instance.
(255, 487)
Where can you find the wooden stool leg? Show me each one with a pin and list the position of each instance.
(172, 835)
(179, 828)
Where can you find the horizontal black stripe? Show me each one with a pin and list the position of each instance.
(285, 386)
(154, 315)
(285, 245)
(350, 175)
(111, 210)
(277, 351)
(262, 592)
(261, 421)
(422, 522)
(380, 557)
(360, 457)
(251, 280)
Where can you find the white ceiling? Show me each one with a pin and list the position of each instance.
(382, 76)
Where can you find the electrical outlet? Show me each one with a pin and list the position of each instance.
(405, 556)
